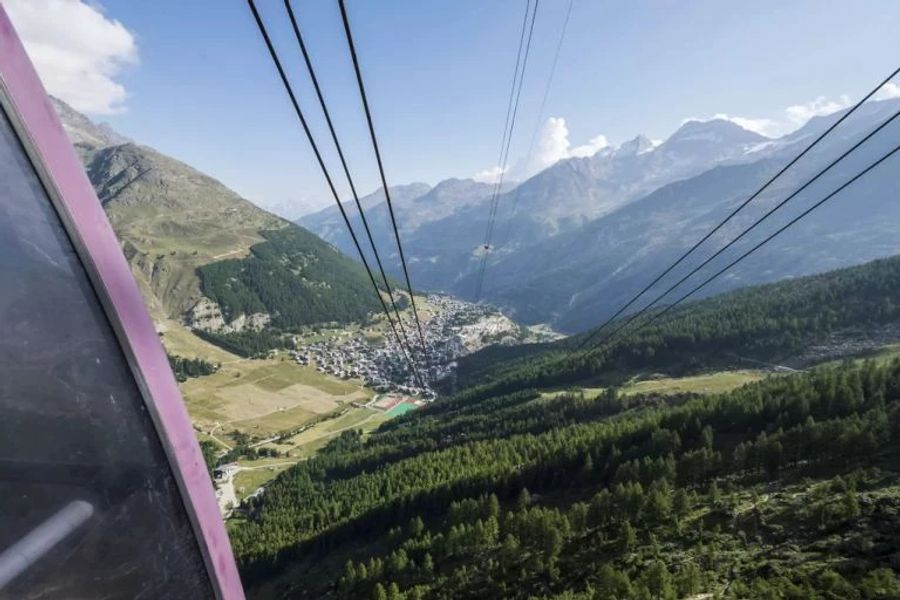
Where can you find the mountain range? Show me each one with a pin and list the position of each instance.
(573, 242)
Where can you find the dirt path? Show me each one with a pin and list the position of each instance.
(220, 442)
(266, 466)
(342, 429)
(226, 495)
(264, 442)
(224, 254)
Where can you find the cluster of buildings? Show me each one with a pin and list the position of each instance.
(381, 366)
(453, 328)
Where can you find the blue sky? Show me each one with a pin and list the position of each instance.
(199, 84)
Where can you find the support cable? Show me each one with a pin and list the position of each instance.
(290, 91)
(387, 191)
(315, 81)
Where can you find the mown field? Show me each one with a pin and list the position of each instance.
(708, 383)
(265, 397)
(248, 401)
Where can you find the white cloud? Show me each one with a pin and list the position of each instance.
(77, 51)
(595, 145)
(799, 114)
(553, 145)
(491, 175)
(762, 126)
(887, 92)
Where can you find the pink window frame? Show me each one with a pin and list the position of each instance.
(62, 174)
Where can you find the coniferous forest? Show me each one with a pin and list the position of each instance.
(295, 278)
(770, 322)
(186, 368)
(516, 488)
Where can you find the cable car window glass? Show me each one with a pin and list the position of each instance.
(89, 506)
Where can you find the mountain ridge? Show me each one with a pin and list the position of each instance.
(172, 220)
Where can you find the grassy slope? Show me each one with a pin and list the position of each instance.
(171, 219)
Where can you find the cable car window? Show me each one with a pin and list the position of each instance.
(89, 506)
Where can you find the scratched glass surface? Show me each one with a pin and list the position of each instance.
(88, 504)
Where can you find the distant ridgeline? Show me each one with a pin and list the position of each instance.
(765, 322)
(295, 279)
(785, 488)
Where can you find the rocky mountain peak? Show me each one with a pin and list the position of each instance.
(82, 131)
(638, 145)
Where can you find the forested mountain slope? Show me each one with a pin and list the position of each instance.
(785, 488)
(769, 322)
(207, 257)
(292, 276)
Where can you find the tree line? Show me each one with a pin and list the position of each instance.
(296, 279)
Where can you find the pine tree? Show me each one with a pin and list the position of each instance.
(850, 505)
(612, 584)
(415, 528)
(493, 509)
(379, 593)
(715, 496)
(659, 581)
(627, 537)
(348, 581)
(689, 580)
(523, 500)
(393, 592)
(681, 503)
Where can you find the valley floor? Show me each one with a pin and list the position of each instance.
(263, 415)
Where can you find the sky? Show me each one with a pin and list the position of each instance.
(193, 79)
